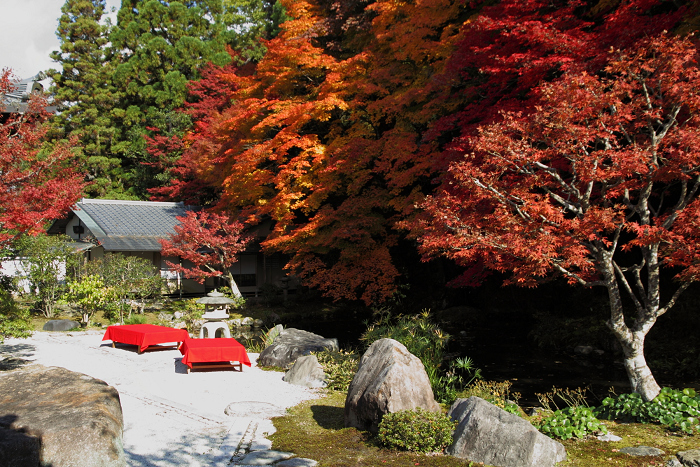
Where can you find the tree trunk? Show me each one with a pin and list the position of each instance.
(631, 339)
(233, 285)
(638, 372)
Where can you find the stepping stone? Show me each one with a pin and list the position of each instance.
(254, 409)
(608, 437)
(297, 462)
(265, 457)
(642, 451)
(260, 445)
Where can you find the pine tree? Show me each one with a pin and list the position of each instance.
(162, 45)
(253, 20)
(84, 92)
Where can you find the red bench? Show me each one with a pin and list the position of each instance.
(220, 352)
(145, 335)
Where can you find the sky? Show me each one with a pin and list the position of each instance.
(28, 34)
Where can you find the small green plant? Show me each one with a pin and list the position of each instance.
(135, 319)
(239, 301)
(496, 392)
(676, 409)
(569, 422)
(191, 312)
(566, 396)
(340, 368)
(416, 430)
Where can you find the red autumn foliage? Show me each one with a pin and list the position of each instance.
(208, 243)
(599, 184)
(37, 185)
(343, 127)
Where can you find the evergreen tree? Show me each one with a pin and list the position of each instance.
(253, 20)
(162, 45)
(85, 95)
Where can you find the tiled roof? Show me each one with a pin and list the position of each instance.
(129, 225)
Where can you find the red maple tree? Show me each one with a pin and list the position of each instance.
(37, 184)
(208, 243)
(357, 108)
(598, 184)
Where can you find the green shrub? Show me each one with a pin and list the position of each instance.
(678, 410)
(191, 312)
(570, 422)
(416, 430)
(340, 368)
(135, 319)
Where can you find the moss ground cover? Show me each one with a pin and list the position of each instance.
(315, 429)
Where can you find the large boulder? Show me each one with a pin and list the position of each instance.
(53, 416)
(60, 325)
(291, 344)
(389, 379)
(486, 433)
(306, 372)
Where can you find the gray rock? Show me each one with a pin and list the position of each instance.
(642, 451)
(690, 458)
(389, 379)
(59, 417)
(583, 350)
(608, 437)
(291, 344)
(60, 325)
(488, 434)
(264, 457)
(306, 372)
(297, 462)
(673, 463)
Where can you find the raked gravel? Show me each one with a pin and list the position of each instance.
(172, 418)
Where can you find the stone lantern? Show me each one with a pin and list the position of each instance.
(216, 311)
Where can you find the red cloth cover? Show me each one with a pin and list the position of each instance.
(220, 349)
(144, 335)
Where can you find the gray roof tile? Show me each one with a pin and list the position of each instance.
(130, 225)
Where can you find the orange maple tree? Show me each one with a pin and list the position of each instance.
(599, 184)
(356, 110)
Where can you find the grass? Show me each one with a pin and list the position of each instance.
(315, 430)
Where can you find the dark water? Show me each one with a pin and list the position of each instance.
(501, 345)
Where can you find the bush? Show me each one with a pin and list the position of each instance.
(497, 393)
(340, 368)
(678, 410)
(570, 422)
(135, 319)
(416, 430)
(14, 321)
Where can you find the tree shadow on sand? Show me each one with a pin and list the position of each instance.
(15, 356)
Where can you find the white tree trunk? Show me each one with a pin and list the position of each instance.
(638, 372)
(233, 285)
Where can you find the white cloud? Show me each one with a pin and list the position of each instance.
(28, 34)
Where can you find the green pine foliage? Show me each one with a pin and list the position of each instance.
(121, 83)
(85, 95)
